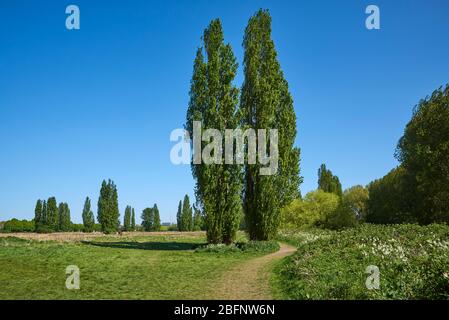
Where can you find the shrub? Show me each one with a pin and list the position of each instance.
(241, 247)
(314, 210)
(15, 225)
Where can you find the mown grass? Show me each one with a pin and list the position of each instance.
(413, 262)
(155, 267)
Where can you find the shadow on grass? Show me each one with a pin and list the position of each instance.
(160, 246)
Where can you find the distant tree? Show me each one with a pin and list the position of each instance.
(187, 219)
(157, 219)
(328, 182)
(356, 199)
(88, 216)
(266, 103)
(423, 152)
(179, 216)
(108, 212)
(127, 219)
(38, 214)
(198, 221)
(148, 219)
(64, 217)
(133, 220)
(52, 221)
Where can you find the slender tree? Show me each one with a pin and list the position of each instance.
(108, 212)
(64, 217)
(38, 215)
(267, 104)
(179, 216)
(127, 219)
(186, 220)
(133, 220)
(88, 216)
(214, 103)
(157, 219)
(43, 219)
(52, 214)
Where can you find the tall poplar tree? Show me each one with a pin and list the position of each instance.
(133, 220)
(214, 102)
(38, 215)
(52, 214)
(157, 219)
(127, 219)
(179, 216)
(267, 104)
(108, 212)
(186, 218)
(64, 217)
(88, 216)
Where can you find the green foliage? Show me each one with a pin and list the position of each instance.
(198, 220)
(52, 215)
(64, 217)
(108, 212)
(38, 214)
(148, 219)
(127, 219)
(15, 225)
(88, 216)
(356, 199)
(157, 219)
(267, 104)
(387, 203)
(328, 182)
(424, 153)
(179, 216)
(412, 260)
(342, 217)
(133, 220)
(260, 247)
(186, 223)
(214, 101)
(313, 210)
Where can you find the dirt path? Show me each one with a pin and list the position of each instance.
(250, 280)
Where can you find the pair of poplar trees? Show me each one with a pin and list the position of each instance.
(226, 191)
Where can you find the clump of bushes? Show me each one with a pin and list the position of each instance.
(239, 247)
(319, 209)
(15, 225)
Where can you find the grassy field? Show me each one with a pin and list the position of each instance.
(413, 262)
(138, 267)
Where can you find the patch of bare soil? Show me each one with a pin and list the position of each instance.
(250, 280)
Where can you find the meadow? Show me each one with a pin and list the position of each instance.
(141, 266)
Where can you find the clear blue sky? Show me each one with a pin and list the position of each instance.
(80, 106)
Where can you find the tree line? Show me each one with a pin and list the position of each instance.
(225, 192)
(416, 191)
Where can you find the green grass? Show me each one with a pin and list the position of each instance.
(413, 262)
(154, 267)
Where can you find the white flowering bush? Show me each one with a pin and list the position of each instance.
(413, 262)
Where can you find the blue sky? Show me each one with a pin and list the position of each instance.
(84, 105)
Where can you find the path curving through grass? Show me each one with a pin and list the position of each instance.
(250, 280)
